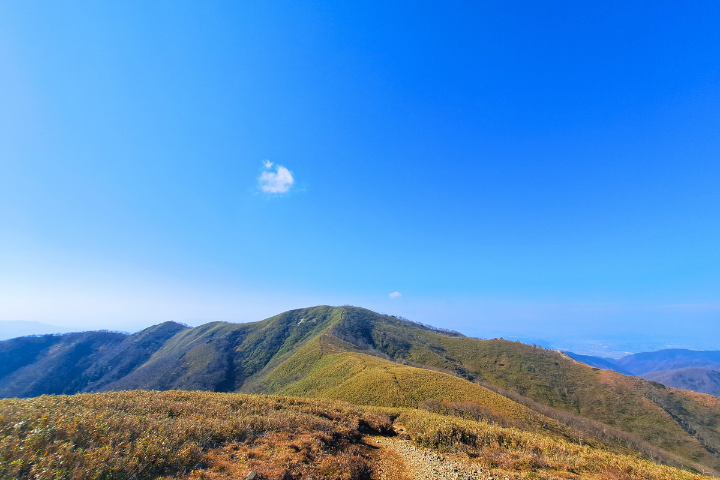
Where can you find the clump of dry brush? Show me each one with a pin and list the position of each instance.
(141, 435)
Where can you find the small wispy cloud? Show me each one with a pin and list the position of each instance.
(395, 295)
(275, 180)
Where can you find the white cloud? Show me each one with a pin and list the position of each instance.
(278, 181)
(395, 295)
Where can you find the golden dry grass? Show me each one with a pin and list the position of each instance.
(139, 434)
(316, 370)
(519, 454)
(220, 436)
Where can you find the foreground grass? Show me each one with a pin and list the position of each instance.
(142, 434)
(214, 436)
(512, 453)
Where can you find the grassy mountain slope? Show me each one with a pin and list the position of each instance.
(76, 362)
(675, 420)
(328, 367)
(223, 356)
(353, 354)
(358, 378)
(217, 356)
(121, 359)
(51, 364)
(697, 379)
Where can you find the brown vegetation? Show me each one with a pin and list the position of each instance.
(219, 436)
(516, 454)
(136, 435)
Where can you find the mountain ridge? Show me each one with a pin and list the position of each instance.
(353, 354)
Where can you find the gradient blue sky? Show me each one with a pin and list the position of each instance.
(542, 167)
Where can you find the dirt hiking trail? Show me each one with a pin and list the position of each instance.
(397, 459)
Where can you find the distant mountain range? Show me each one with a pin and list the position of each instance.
(611, 345)
(688, 369)
(358, 356)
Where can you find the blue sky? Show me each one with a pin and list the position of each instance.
(511, 167)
